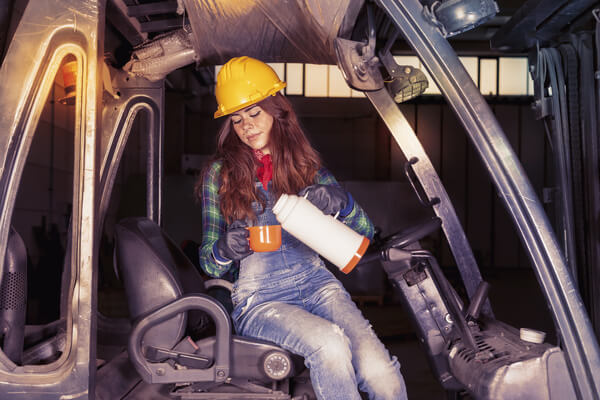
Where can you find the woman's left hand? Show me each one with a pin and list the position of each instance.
(328, 198)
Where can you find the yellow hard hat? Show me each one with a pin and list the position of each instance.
(243, 81)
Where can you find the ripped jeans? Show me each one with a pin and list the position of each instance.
(290, 298)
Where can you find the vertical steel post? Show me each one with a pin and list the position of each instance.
(50, 30)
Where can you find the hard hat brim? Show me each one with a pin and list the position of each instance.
(276, 88)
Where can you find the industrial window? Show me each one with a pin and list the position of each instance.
(488, 76)
(511, 79)
(316, 83)
(294, 79)
(494, 76)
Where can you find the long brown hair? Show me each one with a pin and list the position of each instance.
(295, 162)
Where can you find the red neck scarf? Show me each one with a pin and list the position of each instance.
(264, 171)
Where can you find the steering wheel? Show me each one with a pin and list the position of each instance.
(401, 239)
(410, 235)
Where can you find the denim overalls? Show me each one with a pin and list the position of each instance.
(290, 298)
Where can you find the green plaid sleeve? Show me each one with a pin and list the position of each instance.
(213, 223)
(357, 219)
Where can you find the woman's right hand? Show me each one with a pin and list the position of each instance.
(234, 244)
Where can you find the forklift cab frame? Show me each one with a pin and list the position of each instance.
(52, 29)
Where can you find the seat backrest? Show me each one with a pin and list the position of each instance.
(154, 272)
(13, 297)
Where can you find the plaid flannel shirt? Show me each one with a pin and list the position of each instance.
(214, 224)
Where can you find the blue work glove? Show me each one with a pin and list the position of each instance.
(329, 198)
(233, 245)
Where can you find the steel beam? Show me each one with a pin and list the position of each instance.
(129, 27)
(432, 186)
(163, 24)
(50, 31)
(162, 7)
(537, 20)
(138, 98)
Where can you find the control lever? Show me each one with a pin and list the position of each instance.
(157, 354)
(391, 247)
(452, 303)
(397, 255)
(477, 301)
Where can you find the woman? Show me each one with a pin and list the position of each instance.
(286, 296)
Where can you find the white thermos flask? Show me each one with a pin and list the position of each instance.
(325, 234)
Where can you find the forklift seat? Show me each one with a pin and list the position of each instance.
(173, 339)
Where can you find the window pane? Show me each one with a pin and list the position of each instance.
(337, 84)
(488, 77)
(471, 65)
(294, 77)
(316, 80)
(513, 76)
(279, 69)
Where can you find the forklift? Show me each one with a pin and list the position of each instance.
(178, 341)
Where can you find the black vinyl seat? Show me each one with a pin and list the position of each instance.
(171, 312)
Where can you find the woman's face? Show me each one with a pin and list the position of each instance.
(253, 127)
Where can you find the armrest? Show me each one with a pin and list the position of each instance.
(164, 372)
(225, 284)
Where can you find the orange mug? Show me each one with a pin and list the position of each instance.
(265, 237)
